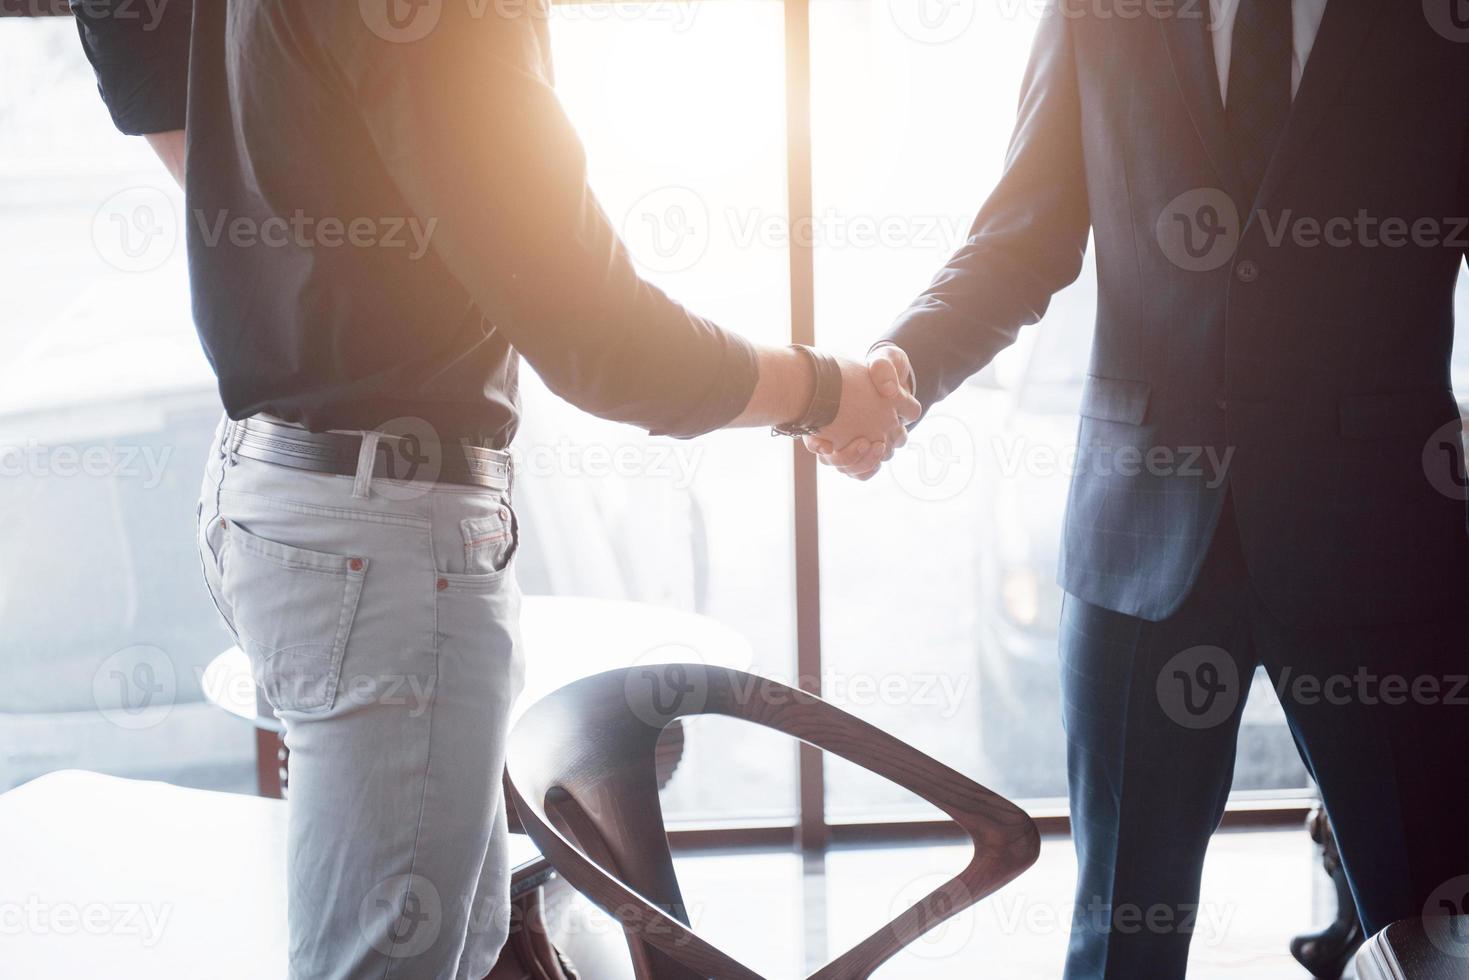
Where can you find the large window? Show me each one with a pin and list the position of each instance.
(942, 630)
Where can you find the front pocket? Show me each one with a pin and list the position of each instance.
(490, 542)
(293, 610)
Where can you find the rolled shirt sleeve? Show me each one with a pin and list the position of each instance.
(472, 135)
(140, 53)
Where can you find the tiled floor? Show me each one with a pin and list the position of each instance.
(1259, 890)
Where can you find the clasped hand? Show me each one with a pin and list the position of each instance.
(871, 425)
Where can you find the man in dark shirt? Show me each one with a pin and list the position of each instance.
(386, 206)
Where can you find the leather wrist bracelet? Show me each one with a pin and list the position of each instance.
(826, 395)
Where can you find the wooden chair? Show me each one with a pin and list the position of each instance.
(581, 771)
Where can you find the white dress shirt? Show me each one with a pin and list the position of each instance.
(1306, 20)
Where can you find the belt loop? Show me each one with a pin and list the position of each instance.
(366, 461)
(233, 438)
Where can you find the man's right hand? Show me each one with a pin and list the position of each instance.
(877, 405)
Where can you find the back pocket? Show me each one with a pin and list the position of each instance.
(293, 610)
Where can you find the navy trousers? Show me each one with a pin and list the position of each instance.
(1152, 711)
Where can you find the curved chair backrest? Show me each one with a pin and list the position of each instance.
(582, 776)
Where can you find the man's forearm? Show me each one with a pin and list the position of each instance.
(170, 148)
(783, 389)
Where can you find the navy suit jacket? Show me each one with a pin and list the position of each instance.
(1297, 335)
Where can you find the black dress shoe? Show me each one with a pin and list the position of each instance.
(1326, 953)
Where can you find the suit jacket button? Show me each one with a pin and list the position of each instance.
(1247, 271)
(1222, 404)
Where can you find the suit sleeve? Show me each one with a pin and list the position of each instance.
(473, 136)
(1027, 242)
(140, 54)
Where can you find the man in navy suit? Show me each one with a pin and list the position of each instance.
(1276, 192)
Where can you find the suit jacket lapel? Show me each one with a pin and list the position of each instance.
(1344, 28)
(1191, 51)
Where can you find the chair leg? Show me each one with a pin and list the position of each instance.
(1326, 953)
(272, 763)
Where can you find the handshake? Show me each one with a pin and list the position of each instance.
(877, 405)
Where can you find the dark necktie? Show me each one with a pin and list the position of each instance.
(1259, 92)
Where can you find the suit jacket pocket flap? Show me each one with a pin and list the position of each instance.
(1115, 399)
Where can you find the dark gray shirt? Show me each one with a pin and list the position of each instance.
(386, 204)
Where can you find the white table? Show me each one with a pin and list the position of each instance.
(107, 877)
(134, 880)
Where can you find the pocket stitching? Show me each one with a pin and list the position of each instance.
(352, 580)
(1121, 400)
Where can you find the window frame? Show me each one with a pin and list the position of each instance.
(812, 831)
